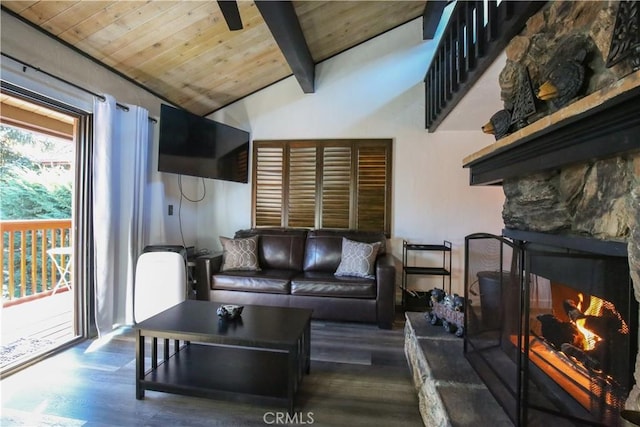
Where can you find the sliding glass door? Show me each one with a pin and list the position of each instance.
(44, 149)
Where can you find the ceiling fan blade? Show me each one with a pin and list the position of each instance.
(231, 14)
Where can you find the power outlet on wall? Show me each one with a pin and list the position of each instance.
(170, 210)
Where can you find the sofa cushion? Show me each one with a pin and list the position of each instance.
(323, 250)
(239, 254)
(358, 259)
(271, 281)
(278, 248)
(328, 285)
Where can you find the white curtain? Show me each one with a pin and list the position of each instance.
(120, 177)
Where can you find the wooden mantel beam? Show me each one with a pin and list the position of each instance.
(283, 23)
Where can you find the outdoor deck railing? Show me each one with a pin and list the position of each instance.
(27, 269)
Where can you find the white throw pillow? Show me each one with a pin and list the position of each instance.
(240, 254)
(358, 259)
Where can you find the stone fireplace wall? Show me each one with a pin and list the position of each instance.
(543, 43)
(600, 198)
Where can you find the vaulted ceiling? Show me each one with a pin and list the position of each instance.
(184, 51)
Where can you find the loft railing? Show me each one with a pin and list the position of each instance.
(476, 33)
(28, 271)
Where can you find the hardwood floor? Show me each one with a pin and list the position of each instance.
(359, 377)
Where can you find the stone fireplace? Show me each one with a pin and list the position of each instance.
(549, 326)
(570, 170)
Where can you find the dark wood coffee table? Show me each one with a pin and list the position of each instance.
(262, 355)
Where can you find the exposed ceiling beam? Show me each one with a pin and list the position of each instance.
(283, 23)
(431, 17)
(231, 14)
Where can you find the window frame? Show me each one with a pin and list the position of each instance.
(264, 163)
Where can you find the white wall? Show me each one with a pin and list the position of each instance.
(372, 91)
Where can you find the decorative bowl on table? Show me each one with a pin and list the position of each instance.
(229, 311)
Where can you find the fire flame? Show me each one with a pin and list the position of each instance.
(589, 338)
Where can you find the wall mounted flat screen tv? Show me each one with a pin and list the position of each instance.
(196, 146)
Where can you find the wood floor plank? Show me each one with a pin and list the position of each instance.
(359, 377)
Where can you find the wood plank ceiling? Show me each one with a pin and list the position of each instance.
(184, 52)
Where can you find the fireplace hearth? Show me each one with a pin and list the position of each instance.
(549, 327)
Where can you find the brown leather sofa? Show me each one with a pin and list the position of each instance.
(297, 270)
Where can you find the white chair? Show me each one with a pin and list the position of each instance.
(160, 283)
(63, 265)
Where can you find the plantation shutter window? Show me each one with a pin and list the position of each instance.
(339, 184)
(301, 203)
(268, 193)
(372, 188)
(336, 187)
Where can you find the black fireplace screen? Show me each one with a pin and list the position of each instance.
(549, 330)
